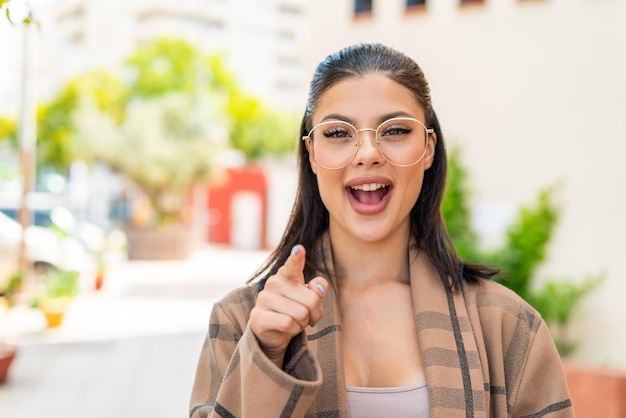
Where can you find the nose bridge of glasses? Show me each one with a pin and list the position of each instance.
(375, 137)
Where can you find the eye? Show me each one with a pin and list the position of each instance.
(338, 132)
(396, 130)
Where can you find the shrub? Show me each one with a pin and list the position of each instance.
(524, 249)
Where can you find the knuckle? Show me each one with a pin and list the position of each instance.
(285, 324)
(301, 315)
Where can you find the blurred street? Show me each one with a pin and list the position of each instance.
(128, 350)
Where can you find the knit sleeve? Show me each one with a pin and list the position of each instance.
(235, 378)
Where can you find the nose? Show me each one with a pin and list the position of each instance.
(367, 152)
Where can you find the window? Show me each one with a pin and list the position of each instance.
(75, 14)
(362, 6)
(288, 60)
(286, 34)
(411, 6)
(413, 3)
(290, 9)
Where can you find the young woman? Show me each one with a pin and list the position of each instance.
(364, 309)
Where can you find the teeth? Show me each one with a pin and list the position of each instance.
(369, 187)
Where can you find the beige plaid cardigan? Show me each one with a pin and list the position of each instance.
(486, 353)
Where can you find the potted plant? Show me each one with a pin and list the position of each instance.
(596, 391)
(55, 294)
(163, 156)
(8, 349)
(7, 354)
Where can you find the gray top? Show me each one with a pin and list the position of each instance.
(398, 402)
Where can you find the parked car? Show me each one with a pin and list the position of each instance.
(45, 249)
(90, 235)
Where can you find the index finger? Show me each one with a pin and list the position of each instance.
(294, 266)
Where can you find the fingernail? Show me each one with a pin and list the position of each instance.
(295, 249)
(320, 288)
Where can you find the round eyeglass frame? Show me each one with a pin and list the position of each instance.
(376, 143)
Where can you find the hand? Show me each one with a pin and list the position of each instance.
(286, 305)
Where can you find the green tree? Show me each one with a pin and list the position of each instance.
(162, 68)
(8, 130)
(162, 124)
(55, 120)
(172, 65)
(166, 66)
(157, 146)
(258, 130)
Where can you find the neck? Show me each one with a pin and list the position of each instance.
(363, 264)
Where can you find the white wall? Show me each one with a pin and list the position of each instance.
(535, 93)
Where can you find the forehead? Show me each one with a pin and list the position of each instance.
(365, 99)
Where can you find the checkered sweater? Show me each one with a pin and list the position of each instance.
(486, 353)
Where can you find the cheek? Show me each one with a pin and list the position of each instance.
(414, 184)
(329, 187)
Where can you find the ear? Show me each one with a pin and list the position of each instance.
(430, 151)
(311, 160)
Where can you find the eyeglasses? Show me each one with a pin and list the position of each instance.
(401, 141)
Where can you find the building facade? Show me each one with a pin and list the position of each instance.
(262, 41)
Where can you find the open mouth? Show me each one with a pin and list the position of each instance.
(370, 193)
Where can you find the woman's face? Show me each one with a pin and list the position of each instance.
(356, 212)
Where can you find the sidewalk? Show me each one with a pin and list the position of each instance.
(128, 350)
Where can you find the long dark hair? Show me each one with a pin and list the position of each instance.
(309, 216)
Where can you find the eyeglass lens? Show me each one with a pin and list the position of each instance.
(400, 141)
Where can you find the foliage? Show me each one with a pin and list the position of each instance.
(556, 301)
(8, 130)
(162, 68)
(455, 208)
(257, 130)
(157, 146)
(4, 4)
(59, 284)
(165, 66)
(55, 119)
(527, 240)
(13, 285)
(172, 65)
(163, 125)
(524, 249)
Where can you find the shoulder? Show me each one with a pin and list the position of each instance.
(496, 304)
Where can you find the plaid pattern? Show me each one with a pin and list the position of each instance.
(486, 354)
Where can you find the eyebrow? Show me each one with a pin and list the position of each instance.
(381, 119)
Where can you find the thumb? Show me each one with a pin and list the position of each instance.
(294, 266)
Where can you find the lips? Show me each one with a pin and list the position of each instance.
(369, 193)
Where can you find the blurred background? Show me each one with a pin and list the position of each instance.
(147, 167)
